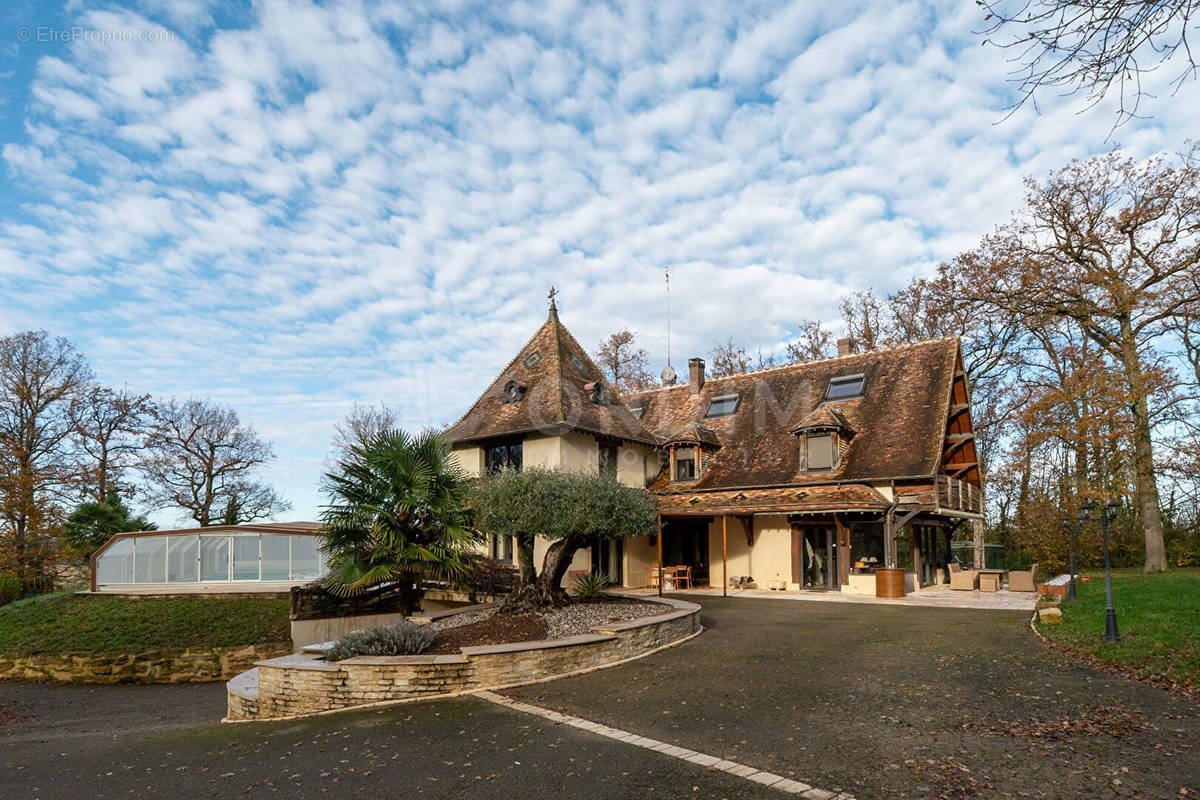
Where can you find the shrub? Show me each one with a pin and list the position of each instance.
(10, 589)
(591, 585)
(402, 639)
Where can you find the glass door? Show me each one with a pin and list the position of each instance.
(245, 558)
(818, 558)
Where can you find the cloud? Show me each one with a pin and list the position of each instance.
(293, 206)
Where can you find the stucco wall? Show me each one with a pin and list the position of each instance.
(639, 554)
(768, 559)
(470, 459)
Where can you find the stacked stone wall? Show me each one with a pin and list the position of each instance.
(155, 666)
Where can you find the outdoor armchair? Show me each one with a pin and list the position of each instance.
(1023, 581)
(963, 579)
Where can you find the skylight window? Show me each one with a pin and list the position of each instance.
(722, 406)
(846, 387)
(577, 361)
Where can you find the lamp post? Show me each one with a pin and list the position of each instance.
(1072, 527)
(1111, 634)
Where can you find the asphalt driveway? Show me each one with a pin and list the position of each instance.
(880, 701)
(894, 702)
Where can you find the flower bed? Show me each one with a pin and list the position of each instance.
(301, 685)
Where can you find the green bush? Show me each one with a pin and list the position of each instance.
(402, 639)
(10, 589)
(591, 585)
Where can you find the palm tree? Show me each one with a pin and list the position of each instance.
(396, 515)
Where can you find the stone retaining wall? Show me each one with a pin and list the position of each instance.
(300, 684)
(157, 666)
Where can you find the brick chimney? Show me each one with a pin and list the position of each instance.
(696, 374)
(845, 347)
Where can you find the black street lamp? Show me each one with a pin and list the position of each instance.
(1111, 634)
(1073, 530)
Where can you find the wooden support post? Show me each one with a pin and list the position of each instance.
(844, 554)
(724, 555)
(660, 566)
(977, 535)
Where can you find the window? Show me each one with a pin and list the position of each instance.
(502, 456)
(818, 451)
(245, 558)
(275, 557)
(501, 547)
(115, 565)
(685, 464)
(182, 554)
(637, 411)
(306, 559)
(150, 559)
(608, 461)
(214, 558)
(722, 406)
(532, 359)
(577, 362)
(845, 387)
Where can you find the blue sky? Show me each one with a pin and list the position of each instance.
(290, 207)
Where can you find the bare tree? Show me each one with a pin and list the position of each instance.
(729, 358)
(361, 426)
(1094, 46)
(108, 428)
(862, 312)
(1111, 244)
(813, 344)
(40, 376)
(200, 458)
(625, 364)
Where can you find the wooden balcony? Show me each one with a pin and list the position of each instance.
(958, 495)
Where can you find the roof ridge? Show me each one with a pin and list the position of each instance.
(799, 364)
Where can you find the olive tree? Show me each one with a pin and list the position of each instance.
(570, 509)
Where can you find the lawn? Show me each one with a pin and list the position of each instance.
(1158, 617)
(65, 623)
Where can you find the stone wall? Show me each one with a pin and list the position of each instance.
(300, 684)
(156, 666)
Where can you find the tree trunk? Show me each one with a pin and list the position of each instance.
(543, 590)
(1143, 459)
(525, 560)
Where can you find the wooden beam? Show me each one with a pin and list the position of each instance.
(724, 555)
(660, 566)
(954, 470)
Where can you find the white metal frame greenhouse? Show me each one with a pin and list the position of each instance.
(253, 557)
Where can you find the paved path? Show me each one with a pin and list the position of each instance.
(875, 701)
(931, 597)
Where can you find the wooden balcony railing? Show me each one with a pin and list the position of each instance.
(958, 495)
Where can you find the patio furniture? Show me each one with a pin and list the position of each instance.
(1023, 580)
(668, 578)
(989, 582)
(965, 580)
(683, 577)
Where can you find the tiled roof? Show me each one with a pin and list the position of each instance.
(792, 499)
(693, 433)
(823, 416)
(899, 422)
(555, 371)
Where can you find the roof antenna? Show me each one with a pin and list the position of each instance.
(668, 373)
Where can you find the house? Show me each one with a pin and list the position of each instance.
(807, 476)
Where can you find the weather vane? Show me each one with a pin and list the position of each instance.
(552, 295)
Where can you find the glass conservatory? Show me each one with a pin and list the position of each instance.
(267, 556)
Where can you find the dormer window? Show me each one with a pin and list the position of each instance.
(514, 390)
(845, 387)
(722, 406)
(820, 451)
(685, 464)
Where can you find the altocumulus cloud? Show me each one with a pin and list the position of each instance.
(294, 206)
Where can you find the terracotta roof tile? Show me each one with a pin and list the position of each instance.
(792, 499)
(898, 423)
(555, 370)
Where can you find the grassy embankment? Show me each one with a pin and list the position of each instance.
(66, 623)
(1159, 621)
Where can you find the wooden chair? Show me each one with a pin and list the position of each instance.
(683, 577)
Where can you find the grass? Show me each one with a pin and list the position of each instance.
(66, 623)
(1159, 620)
